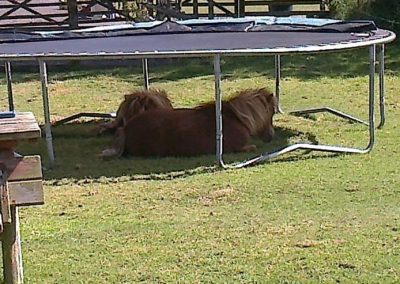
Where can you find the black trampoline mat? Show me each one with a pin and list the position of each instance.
(183, 41)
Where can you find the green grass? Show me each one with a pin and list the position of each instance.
(301, 218)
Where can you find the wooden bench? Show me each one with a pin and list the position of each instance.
(20, 185)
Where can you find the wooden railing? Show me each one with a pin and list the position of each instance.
(72, 14)
(240, 8)
(56, 14)
(16, 14)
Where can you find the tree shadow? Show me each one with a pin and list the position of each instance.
(77, 148)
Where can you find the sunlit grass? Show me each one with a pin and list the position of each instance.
(302, 218)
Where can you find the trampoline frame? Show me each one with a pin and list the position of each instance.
(216, 54)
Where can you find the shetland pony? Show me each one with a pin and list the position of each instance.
(188, 132)
(136, 103)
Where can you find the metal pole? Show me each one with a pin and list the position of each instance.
(145, 73)
(46, 109)
(372, 60)
(278, 82)
(9, 86)
(382, 86)
(327, 148)
(218, 110)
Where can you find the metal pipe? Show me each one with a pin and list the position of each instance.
(300, 146)
(46, 109)
(7, 66)
(327, 148)
(278, 82)
(218, 110)
(372, 60)
(145, 73)
(382, 86)
(330, 110)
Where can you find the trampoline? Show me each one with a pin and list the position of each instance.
(261, 36)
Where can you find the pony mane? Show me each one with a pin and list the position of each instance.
(250, 106)
(142, 100)
(253, 107)
(155, 97)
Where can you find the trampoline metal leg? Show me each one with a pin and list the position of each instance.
(278, 83)
(382, 86)
(9, 86)
(352, 118)
(303, 146)
(46, 109)
(145, 73)
(218, 110)
(84, 114)
(330, 110)
(327, 148)
(372, 60)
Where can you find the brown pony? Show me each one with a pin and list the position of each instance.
(188, 132)
(136, 103)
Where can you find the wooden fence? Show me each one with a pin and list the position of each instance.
(72, 14)
(61, 14)
(241, 8)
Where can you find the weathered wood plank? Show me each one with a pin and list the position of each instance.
(22, 126)
(17, 126)
(282, 2)
(21, 115)
(11, 246)
(25, 193)
(23, 168)
(17, 136)
(4, 198)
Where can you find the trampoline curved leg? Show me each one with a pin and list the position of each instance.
(218, 111)
(7, 67)
(84, 114)
(313, 147)
(330, 110)
(382, 86)
(145, 73)
(278, 83)
(46, 109)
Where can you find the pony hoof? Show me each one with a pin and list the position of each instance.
(102, 129)
(108, 154)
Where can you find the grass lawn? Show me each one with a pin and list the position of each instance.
(306, 217)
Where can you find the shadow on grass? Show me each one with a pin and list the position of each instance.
(77, 149)
(305, 67)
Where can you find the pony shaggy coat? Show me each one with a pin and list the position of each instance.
(188, 132)
(136, 103)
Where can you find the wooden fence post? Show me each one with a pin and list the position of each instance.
(11, 243)
(242, 8)
(196, 8)
(210, 9)
(73, 14)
